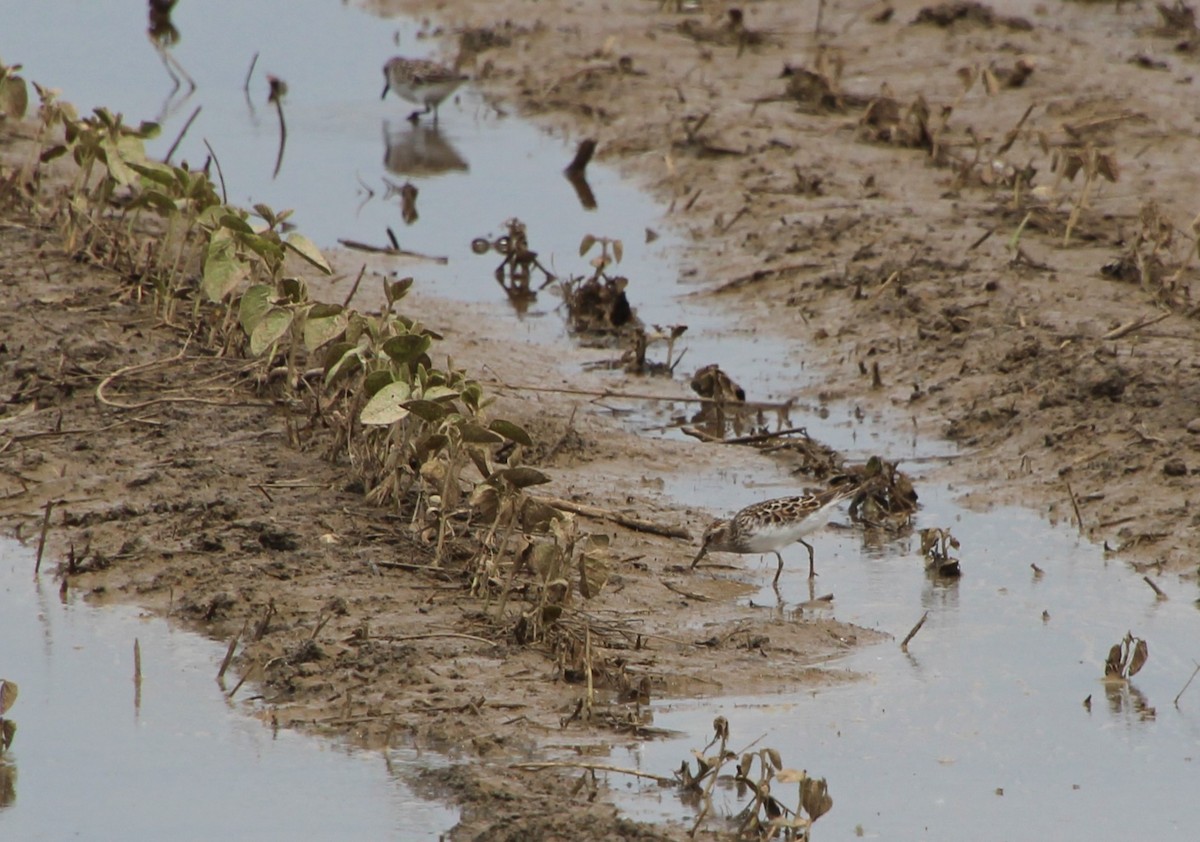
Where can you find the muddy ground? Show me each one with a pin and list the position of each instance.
(921, 238)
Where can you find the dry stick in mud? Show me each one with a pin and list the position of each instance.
(593, 767)
(229, 651)
(1157, 590)
(754, 439)
(1075, 506)
(913, 633)
(633, 396)
(1135, 325)
(37, 565)
(129, 369)
(636, 524)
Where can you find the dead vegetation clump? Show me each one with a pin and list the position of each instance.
(1149, 260)
(760, 779)
(968, 12)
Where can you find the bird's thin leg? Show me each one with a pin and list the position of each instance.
(778, 570)
(811, 571)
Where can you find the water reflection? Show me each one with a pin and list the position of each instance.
(80, 719)
(163, 36)
(419, 151)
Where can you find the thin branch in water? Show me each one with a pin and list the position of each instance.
(354, 289)
(913, 633)
(278, 89)
(1189, 683)
(595, 767)
(37, 565)
(250, 73)
(220, 174)
(182, 132)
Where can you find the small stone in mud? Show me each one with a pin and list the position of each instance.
(1175, 467)
(1193, 426)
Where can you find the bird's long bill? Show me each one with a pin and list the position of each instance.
(387, 86)
(703, 552)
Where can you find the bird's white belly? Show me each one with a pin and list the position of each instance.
(772, 537)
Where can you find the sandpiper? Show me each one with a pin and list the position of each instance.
(421, 82)
(771, 525)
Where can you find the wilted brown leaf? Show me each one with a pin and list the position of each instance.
(815, 798)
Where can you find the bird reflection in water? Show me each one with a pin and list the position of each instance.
(163, 36)
(416, 150)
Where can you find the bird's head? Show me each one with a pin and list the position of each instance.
(715, 536)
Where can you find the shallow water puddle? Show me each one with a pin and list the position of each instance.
(94, 760)
(980, 731)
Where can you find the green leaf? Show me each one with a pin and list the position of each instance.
(223, 270)
(264, 246)
(235, 223)
(114, 159)
(510, 431)
(376, 380)
(273, 325)
(395, 290)
(324, 323)
(439, 393)
(154, 172)
(158, 201)
(305, 247)
(430, 411)
(472, 393)
(387, 406)
(519, 477)
(406, 347)
(477, 434)
(341, 359)
(294, 290)
(429, 445)
(266, 213)
(253, 306)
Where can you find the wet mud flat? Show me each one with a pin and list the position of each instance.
(1018, 321)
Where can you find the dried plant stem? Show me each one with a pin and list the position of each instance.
(1188, 684)
(913, 632)
(1157, 590)
(431, 635)
(241, 681)
(1135, 325)
(220, 172)
(182, 132)
(37, 565)
(282, 136)
(230, 650)
(1075, 506)
(636, 524)
(354, 289)
(593, 767)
